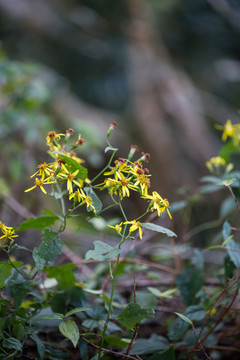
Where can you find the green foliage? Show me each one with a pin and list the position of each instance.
(62, 306)
(102, 251)
(134, 314)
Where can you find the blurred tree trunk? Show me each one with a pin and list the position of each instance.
(166, 106)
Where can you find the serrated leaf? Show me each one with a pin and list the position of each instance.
(95, 199)
(12, 343)
(158, 228)
(77, 310)
(52, 316)
(39, 223)
(102, 251)
(184, 318)
(5, 272)
(50, 247)
(133, 314)
(70, 330)
(73, 165)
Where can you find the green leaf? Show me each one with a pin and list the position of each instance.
(158, 228)
(18, 330)
(52, 316)
(152, 345)
(189, 282)
(69, 329)
(165, 294)
(110, 148)
(229, 267)
(102, 251)
(73, 165)
(40, 346)
(12, 343)
(39, 223)
(19, 290)
(226, 230)
(195, 313)
(77, 310)
(50, 247)
(115, 341)
(95, 199)
(227, 207)
(169, 354)
(63, 274)
(5, 272)
(184, 318)
(233, 250)
(133, 314)
(177, 329)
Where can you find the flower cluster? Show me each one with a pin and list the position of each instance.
(65, 168)
(124, 177)
(127, 175)
(7, 233)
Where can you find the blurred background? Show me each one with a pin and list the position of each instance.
(165, 70)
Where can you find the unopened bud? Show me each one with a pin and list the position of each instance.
(145, 157)
(80, 141)
(133, 150)
(112, 126)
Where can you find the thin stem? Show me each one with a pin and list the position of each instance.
(112, 290)
(106, 167)
(199, 342)
(234, 197)
(17, 270)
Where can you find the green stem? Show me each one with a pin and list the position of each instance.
(113, 284)
(106, 167)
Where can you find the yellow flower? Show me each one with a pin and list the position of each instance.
(117, 227)
(82, 197)
(71, 178)
(40, 182)
(135, 225)
(228, 129)
(8, 232)
(158, 203)
(44, 169)
(215, 162)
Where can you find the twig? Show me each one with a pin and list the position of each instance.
(224, 312)
(234, 197)
(108, 351)
(219, 296)
(200, 343)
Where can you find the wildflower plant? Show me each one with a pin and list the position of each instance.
(65, 178)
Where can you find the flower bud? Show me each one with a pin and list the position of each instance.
(112, 126)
